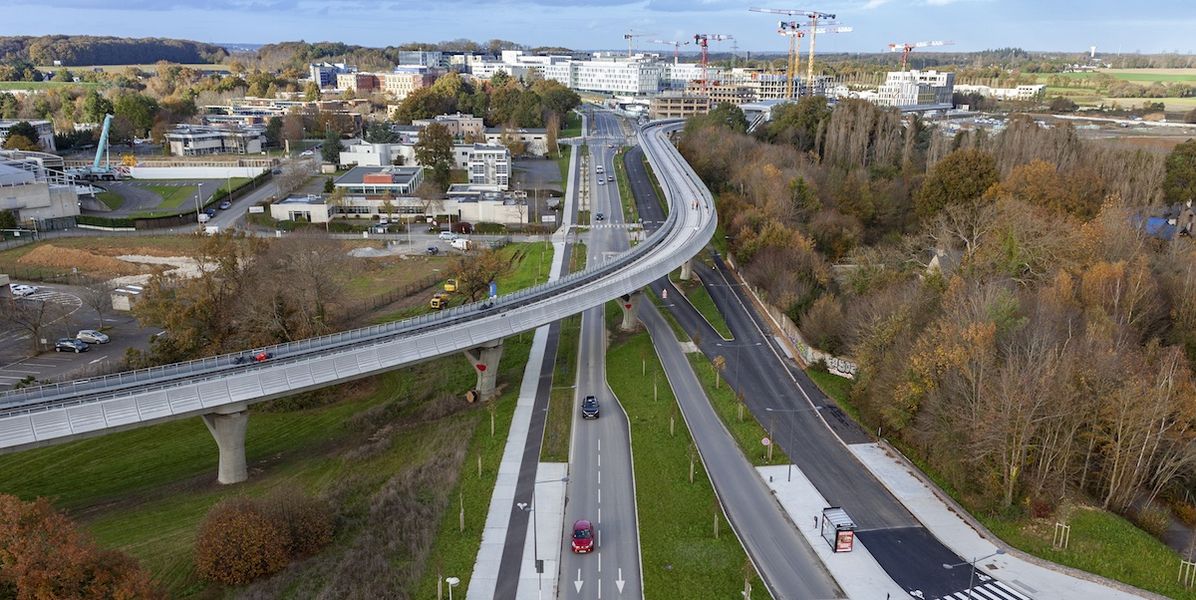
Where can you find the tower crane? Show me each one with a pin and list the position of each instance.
(812, 29)
(905, 49)
(631, 35)
(702, 40)
(792, 30)
(676, 48)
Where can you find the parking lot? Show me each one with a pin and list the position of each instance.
(68, 317)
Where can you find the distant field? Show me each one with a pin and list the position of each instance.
(1135, 75)
(1172, 104)
(42, 85)
(118, 68)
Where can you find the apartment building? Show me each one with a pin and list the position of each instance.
(460, 125)
(490, 165)
(917, 90)
(362, 83)
(45, 132)
(325, 74)
(198, 140)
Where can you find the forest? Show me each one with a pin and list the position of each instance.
(87, 50)
(1014, 325)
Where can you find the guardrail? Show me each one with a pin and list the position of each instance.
(48, 412)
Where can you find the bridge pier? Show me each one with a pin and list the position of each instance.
(228, 426)
(687, 270)
(630, 303)
(484, 359)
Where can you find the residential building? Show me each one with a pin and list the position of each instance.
(490, 165)
(198, 140)
(678, 105)
(1021, 92)
(376, 181)
(917, 90)
(459, 125)
(534, 139)
(366, 154)
(362, 83)
(45, 132)
(36, 190)
(325, 74)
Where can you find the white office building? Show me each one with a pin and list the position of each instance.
(604, 72)
(35, 189)
(490, 165)
(198, 140)
(1021, 92)
(917, 90)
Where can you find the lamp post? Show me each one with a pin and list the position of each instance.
(972, 570)
(789, 475)
(452, 583)
(526, 507)
(737, 347)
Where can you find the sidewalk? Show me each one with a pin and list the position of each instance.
(960, 536)
(547, 517)
(857, 572)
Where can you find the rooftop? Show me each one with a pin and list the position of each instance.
(302, 199)
(356, 175)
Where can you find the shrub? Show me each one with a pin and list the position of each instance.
(1185, 512)
(43, 555)
(307, 521)
(1152, 519)
(238, 543)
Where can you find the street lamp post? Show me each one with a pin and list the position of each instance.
(526, 507)
(789, 475)
(972, 570)
(737, 347)
(452, 583)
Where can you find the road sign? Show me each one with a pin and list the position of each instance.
(664, 294)
(493, 289)
(766, 441)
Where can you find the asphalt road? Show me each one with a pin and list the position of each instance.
(601, 486)
(809, 427)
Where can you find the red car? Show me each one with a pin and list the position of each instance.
(583, 537)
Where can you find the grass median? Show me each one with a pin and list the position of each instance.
(630, 212)
(701, 300)
(746, 430)
(682, 557)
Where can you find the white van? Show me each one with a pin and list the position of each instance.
(204, 218)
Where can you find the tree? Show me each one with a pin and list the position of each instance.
(1061, 104)
(138, 109)
(798, 123)
(434, 152)
(31, 316)
(330, 151)
(26, 134)
(476, 271)
(63, 76)
(44, 555)
(379, 132)
(274, 131)
(329, 185)
(388, 205)
(98, 297)
(311, 91)
(961, 177)
(500, 79)
(8, 219)
(720, 363)
(238, 543)
(1180, 182)
(292, 127)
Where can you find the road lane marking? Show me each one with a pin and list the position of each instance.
(599, 515)
(599, 495)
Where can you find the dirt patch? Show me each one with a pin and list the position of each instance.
(66, 259)
(180, 266)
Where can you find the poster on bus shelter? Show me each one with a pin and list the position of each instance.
(844, 541)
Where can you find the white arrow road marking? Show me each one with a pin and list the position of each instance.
(577, 584)
(619, 582)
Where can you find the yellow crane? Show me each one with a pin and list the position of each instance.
(813, 29)
(631, 35)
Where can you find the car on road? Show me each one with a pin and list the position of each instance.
(70, 345)
(211, 212)
(307, 153)
(226, 205)
(589, 408)
(92, 336)
(583, 537)
(599, 217)
(610, 177)
(21, 290)
(432, 250)
(447, 235)
(601, 182)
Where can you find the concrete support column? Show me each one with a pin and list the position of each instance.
(687, 270)
(630, 304)
(228, 426)
(484, 359)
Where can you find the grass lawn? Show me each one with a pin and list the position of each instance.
(44, 85)
(630, 212)
(700, 298)
(681, 556)
(559, 424)
(173, 198)
(583, 217)
(668, 316)
(530, 265)
(747, 432)
(836, 388)
(562, 162)
(572, 125)
(233, 184)
(111, 199)
(385, 274)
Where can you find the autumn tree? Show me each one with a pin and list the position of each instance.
(44, 555)
(22, 136)
(238, 542)
(960, 178)
(476, 271)
(434, 152)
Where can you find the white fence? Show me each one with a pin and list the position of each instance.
(194, 172)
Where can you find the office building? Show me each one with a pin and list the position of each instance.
(198, 140)
(377, 181)
(490, 165)
(534, 139)
(325, 74)
(459, 125)
(917, 90)
(1021, 92)
(422, 58)
(678, 105)
(45, 132)
(35, 188)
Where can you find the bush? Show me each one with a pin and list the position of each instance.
(1185, 512)
(1152, 519)
(238, 543)
(244, 539)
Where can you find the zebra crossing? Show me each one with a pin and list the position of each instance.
(45, 295)
(988, 590)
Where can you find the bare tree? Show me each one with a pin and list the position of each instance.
(31, 316)
(98, 297)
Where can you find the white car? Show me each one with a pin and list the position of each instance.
(307, 153)
(448, 235)
(92, 336)
(21, 290)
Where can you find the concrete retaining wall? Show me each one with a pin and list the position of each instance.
(194, 172)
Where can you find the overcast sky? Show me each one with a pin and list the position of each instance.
(1065, 25)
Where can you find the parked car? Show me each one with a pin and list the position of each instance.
(448, 235)
(70, 345)
(204, 217)
(583, 537)
(226, 205)
(307, 153)
(20, 290)
(211, 212)
(432, 250)
(589, 408)
(92, 336)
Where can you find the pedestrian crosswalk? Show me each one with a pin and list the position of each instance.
(44, 295)
(990, 590)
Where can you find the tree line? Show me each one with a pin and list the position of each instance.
(1014, 324)
(85, 50)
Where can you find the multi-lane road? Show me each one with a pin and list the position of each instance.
(601, 485)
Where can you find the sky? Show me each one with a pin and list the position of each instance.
(1056, 25)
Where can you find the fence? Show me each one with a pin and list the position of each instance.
(380, 300)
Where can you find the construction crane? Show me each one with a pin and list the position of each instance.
(792, 30)
(95, 172)
(631, 35)
(676, 48)
(812, 29)
(702, 40)
(905, 49)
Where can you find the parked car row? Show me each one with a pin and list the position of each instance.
(81, 342)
